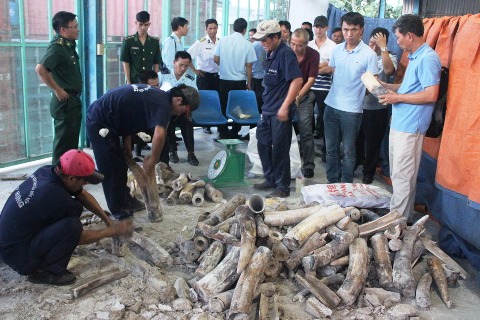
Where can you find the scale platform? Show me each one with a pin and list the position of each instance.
(227, 167)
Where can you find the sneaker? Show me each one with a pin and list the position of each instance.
(174, 157)
(263, 186)
(278, 194)
(192, 159)
(45, 277)
(367, 179)
(308, 173)
(135, 205)
(207, 131)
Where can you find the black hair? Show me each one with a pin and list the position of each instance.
(286, 24)
(409, 23)
(253, 30)
(310, 33)
(142, 16)
(178, 22)
(183, 55)
(272, 35)
(380, 30)
(146, 75)
(240, 25)
(210, 21)
(178, 92)
(307, 23)
(353, 18)
(61, 19)
(336, 29)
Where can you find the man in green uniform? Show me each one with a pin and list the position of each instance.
(140, 51)
(60, 70)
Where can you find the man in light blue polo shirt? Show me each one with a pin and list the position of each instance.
(343, 111)
(412, 105)
(235, 55)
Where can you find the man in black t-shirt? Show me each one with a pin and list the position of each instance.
(126, 111)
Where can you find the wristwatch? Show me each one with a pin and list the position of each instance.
(383, 49)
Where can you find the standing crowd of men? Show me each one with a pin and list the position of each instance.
(290, 72)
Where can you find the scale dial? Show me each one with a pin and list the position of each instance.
(217, 164)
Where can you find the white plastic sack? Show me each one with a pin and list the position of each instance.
(252, 153)
(348, 194)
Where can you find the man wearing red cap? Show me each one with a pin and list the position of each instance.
(40, 223)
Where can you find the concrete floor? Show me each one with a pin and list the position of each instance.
(466, 297)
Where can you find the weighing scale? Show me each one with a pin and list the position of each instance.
(227, 168)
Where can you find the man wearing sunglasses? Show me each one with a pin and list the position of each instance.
(125, 111)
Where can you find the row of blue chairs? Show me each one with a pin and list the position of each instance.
(209, 113)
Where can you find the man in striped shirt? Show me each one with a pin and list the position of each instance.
(322, 84)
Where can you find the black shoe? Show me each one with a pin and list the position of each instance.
(317, 135)
(146, 147)
(308, 173)
(367, 179)
(263, 186)
(207, 131)
(135, 205)
(178, 138)
(192, 159)
(174, 157)
(45, 277)
(278, 194)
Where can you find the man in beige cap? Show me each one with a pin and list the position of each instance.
(282, 80)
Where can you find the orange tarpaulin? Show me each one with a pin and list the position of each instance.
(459, 155)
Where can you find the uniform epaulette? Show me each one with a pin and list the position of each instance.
(60, 41)
(203, 39)
(129, 37)
(188, 76)
(164, 71)
(155, 38)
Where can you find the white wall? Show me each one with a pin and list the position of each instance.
(306, 10)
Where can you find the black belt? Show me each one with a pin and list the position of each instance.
(73, 93)
(213, 73)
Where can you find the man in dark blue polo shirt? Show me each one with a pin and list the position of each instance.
(283, 81)
(126, 111)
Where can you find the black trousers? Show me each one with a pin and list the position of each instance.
(210, 81)
(320, 96)
(186, 126)
(50, 249)
(374, 125)
(225, 87)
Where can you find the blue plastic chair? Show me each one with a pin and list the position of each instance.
(245, 99)
(209, 112)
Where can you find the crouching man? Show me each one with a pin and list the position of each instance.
(40, 223)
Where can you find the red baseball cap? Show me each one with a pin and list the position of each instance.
(79, 164)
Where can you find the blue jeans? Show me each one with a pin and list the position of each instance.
(341, 127)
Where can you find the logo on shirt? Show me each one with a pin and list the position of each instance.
(137, 89)
(272, 71)
(18, 196)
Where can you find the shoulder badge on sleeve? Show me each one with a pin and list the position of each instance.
(188, 76)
